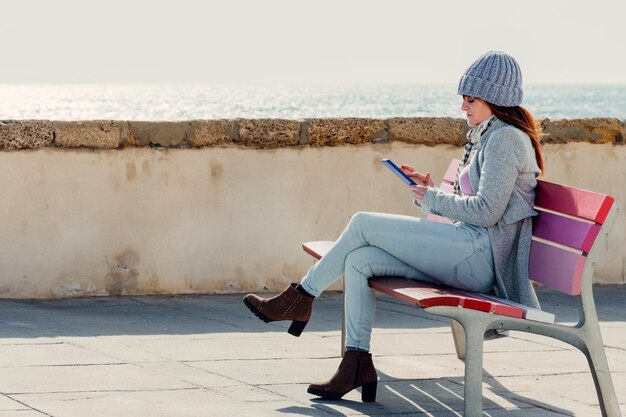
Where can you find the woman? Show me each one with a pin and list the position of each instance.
(486, 249)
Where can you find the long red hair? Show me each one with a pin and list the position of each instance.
(522, 119)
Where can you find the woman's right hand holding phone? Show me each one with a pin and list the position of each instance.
(423, 182)
(418, 177)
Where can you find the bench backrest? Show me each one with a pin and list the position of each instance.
(565, 231)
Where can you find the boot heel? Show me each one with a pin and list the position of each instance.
(296, 327)
(368, 392)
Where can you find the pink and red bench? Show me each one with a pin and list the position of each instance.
(570, 230)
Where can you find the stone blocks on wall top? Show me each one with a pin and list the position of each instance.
(428, 130)
(159, 134)
(212, 133)
(354, 131)
(104, 134)
(268, 133)
(279, 133)
(25, 134)
(594, 130)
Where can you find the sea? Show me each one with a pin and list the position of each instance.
(188, 102)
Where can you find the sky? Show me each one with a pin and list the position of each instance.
(298, 41)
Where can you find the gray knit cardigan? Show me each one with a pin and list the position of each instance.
(503, 172)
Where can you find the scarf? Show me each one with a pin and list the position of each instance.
(473, 141)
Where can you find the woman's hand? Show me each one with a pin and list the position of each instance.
(418, 192)
(418, 177)
(423, 182)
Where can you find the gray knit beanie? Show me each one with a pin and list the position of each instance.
(494, 77)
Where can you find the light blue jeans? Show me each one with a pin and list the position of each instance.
(376, 244)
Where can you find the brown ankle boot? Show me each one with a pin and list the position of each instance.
(290, 304)
(356, 370)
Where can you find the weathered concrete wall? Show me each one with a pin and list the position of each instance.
(108, 207)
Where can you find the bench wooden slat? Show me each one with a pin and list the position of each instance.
(530, 313)
(318, 249)
(573, 201)
(556, 268)
(426, 295)
(565, 230)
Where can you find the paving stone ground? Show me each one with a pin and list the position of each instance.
(209, 356)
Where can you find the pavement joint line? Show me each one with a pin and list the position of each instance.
(195, 385)
(281, 395)
(279, 358)
(538, 375)
(538, 404)
(101, 390)
(238, 381)
(88, 349)
(103, 395)
(567, 348)
(29, 407)
(201, 337)
(615, 347)
(32, 344)
(164, 359)
(67, 365)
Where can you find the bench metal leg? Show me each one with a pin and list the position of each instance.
(596, 356)
(458, 335)
(603, 382)
(474, 338)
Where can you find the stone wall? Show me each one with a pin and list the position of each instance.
(208, 206)
(278, 133)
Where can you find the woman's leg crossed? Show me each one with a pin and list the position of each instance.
(445, 252)
(361, 265)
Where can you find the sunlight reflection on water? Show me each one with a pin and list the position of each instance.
(178, 102)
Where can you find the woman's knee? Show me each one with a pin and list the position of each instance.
(360, 261)
(360, 220)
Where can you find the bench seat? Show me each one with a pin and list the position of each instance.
(425, 295)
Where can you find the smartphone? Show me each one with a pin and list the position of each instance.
(396, 170)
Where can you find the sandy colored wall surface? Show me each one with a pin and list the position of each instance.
(80, 221)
